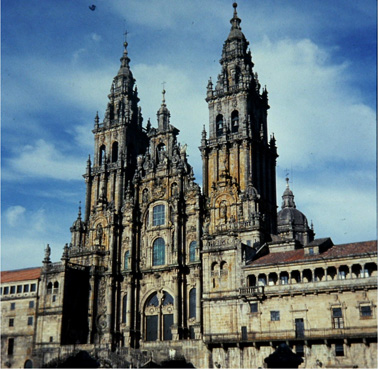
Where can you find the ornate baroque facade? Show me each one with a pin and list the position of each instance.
(160, 269)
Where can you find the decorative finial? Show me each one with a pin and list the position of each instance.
(287, 181)
(97, 119)
(164, 92)
(79, 213)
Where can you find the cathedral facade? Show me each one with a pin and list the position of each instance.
(160, 269)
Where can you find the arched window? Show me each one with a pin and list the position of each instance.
(49, 287)
(235, 121)
(158, 252)
(159, 317)
(115, 152)
(219, 125)
(158, 216)
(28, 364)
(124, 309)
(56, 287)
(192, 303)
(192, 251)
(102, 155)
(126, 260)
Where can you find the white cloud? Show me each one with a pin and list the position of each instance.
(42, 159)
(96, 37)
(14, 215)
(315, 115)
(25, 249)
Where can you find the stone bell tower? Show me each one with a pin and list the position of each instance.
(96, 239)
(237, 156)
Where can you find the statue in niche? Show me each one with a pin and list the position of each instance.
(145, 196)
(99, 232)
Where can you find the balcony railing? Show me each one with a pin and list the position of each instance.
(291, 335)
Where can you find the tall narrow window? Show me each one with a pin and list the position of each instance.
(158, 252)
(192, 303)
(126, 260)
(114, 151)
(337, 318)
(56, 287)
(124, 308)
(339, 349)
(102, 155)
(158, 215)
(219, 125)
(192, 251)
(235, 121)
(33, 287)
(10, 346)
(30, 320)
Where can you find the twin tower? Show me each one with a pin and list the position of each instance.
(154, 252)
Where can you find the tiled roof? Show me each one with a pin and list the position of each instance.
(20, 275)
(336, 251)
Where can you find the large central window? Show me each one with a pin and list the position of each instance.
(158, 257)
(158, 215)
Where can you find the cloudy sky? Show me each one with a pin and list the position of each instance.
(317, 59)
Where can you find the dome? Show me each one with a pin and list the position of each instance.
(291, 216)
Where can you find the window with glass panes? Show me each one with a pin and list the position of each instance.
(274, 315)
(159, 252)
(158, 215)
(337, 318)
(365, 311)
(192, 251)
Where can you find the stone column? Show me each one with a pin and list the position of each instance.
(175, 334)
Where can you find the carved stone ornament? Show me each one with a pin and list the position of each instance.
(219, 107)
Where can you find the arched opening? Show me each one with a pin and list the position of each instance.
(126, 260)
(102, 155)
(251, 280)
(370, 270)
(159, 317)
(356, 270)
(49, 288)
(284, 278)
(295, 276)
(28, 364)
(192, 251)
(56, 287)
(124, 309)
(219, 125)
(115, 152)
(272, 279)
(192, 303)
(261, 279)
(160, 153)
(319, 274)
(307, 275)
(158, 252)
(235, 121)
(343, 272)
(331, 273)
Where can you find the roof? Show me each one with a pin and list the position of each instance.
(336, 251)
(20, 275)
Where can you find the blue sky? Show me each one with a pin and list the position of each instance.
(317, 58)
